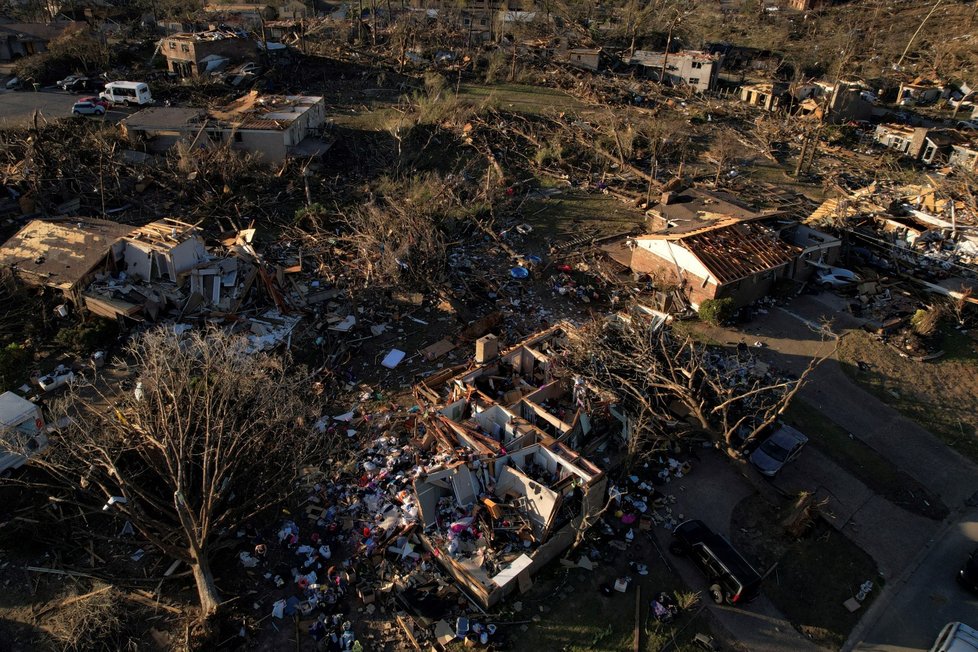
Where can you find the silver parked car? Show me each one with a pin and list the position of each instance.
(836, 277)
(777, 450)
(87, 108)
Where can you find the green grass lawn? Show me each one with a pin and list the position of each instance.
(813, 576)
(941, 395)
(520, 98)
(875, 471)
(574, 213)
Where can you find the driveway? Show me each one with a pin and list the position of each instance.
(710, 493)
(790, 339)
(868, 519)
(17, 107)
(917, 557)
(929, 597)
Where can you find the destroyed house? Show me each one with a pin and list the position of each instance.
(255, 13)
(165, 266)
(481, 19)
(491, 522)
(964, 156)
(273, 127)
(699, 70)
(61, 254)
(199, 53)
(768, 96)
(922, 144)
(24, 39)
(919, 92)
(587, 58)
(515, 398)
(736, 258)
(512, 493)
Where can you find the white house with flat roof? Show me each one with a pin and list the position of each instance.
(688, 68)
(275, 127)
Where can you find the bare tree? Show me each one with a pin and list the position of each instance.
(213, 436)
(723, 151)
(658, 375)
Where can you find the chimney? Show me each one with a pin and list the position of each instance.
(486, 348)
(667, 197)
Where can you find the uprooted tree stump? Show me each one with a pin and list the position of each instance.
(802, 514)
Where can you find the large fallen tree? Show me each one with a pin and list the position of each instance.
(672, 386)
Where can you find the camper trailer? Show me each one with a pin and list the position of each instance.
(24, 431)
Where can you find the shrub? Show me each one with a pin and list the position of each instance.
(14, 359)
(313, 213)
(717, 311)
(497, 68)
(43, 68)
(87, 337)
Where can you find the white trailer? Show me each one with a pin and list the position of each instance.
(24, 431)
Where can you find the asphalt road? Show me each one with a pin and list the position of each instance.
(17, 107)
(930, 598)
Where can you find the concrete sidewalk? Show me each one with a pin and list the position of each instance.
(790, 342)
(869, 520)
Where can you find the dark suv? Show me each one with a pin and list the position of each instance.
(732, 579)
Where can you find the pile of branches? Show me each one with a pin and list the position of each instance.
(660, 376)
(97, 620)
(619, 150)
(53, 163)
(397, 236)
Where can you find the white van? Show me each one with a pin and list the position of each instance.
(24, 431)
(126, 92)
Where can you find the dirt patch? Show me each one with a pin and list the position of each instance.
(809, 578)
(941, 395)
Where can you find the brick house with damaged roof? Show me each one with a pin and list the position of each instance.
(740, 258)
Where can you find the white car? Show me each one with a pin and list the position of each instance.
(58, 378)
(836, 277)
(87, 108)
